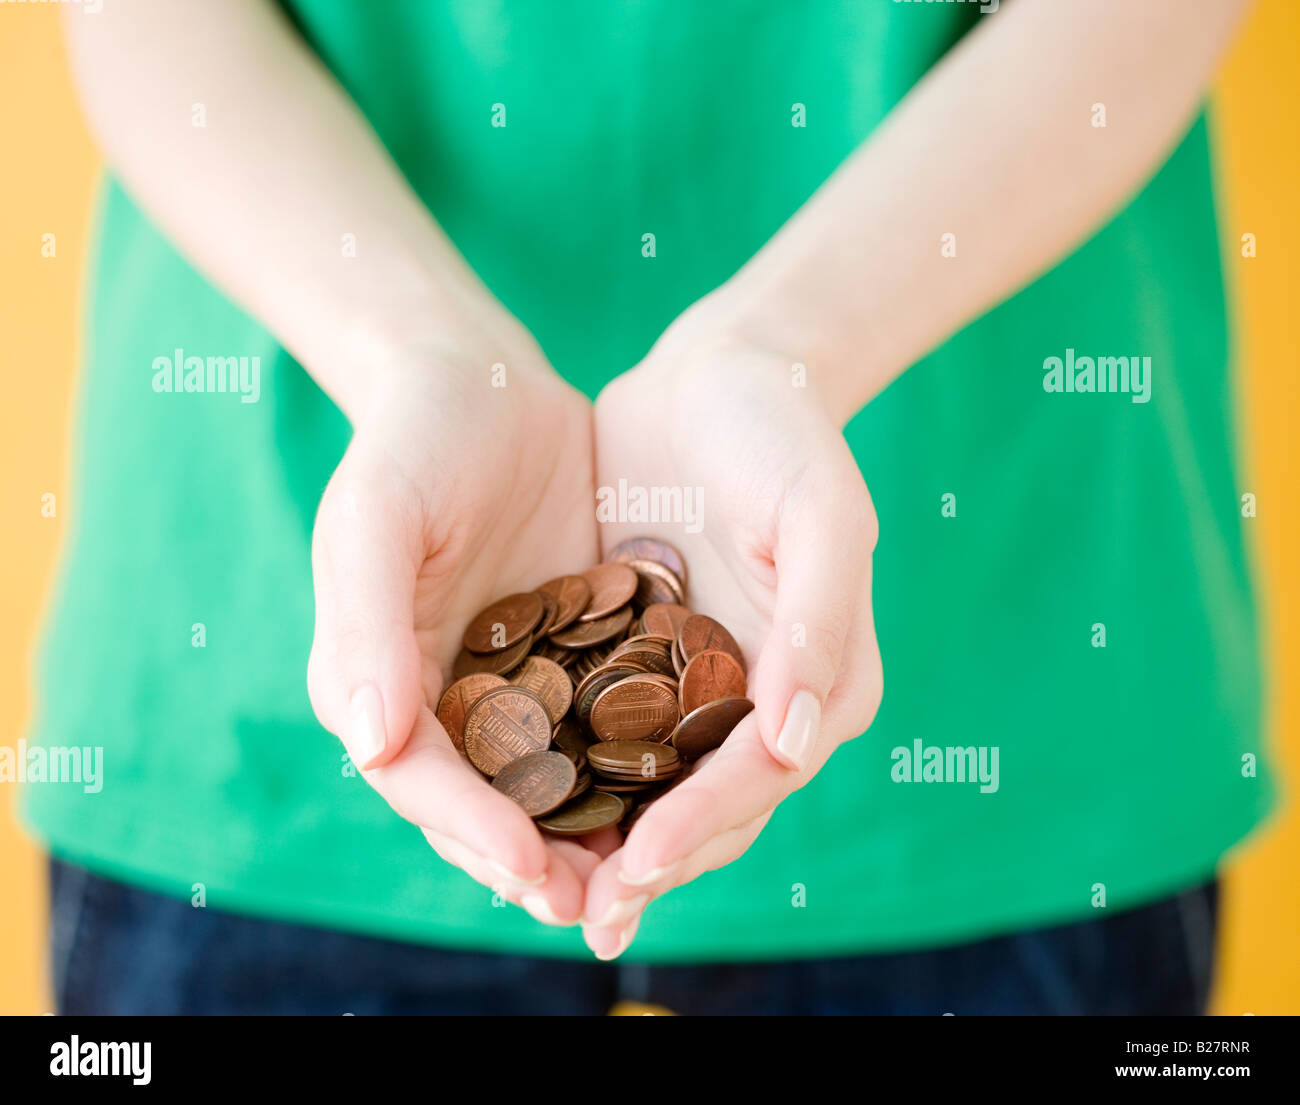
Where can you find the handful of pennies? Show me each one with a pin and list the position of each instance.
(585, 700)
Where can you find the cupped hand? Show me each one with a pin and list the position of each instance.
(782, 558)
(469, 476)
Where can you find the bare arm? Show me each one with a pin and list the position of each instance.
(260, 197)
(996, 145)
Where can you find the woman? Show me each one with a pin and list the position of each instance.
(845, 245)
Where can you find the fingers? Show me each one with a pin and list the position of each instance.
(430, 784)
(826, 536)
(613, 910)
(735, 785)
(364, 674)
(557, 900)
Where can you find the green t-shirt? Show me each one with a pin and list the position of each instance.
(1020, 528)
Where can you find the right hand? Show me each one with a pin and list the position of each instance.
(452, 493)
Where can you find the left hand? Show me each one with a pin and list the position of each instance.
(782, 559)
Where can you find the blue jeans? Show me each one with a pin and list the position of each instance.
(116, 949)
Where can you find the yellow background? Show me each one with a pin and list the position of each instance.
(45, 187)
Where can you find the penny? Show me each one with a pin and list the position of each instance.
(612, 586)
(630, 758)
(664, 619)
(591, 659)
(596, 682)
(704, 729)
(634, 708)
(504, 622)
(586, 634)
(646, 653)
(457, 701)
(651, 639)
(650, 548)
(635, 814)
(628, 786)
(582, 785)
(701, 634)
(549, 682)
(570, 740)
(498, 663)
(678, 663)
(710, 675)
(538, 782)
(565, 657)
(571, 595)
(655, 584)
(550, 608)
(505, 724)
(587, 814)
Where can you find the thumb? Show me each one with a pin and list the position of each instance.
(823, 568)
(363, 676)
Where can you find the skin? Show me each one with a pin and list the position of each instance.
(450, 496)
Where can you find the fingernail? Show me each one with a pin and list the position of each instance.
(540, 909)
(367, 725)
(799, 733)
(625, 938)
(622, 910)
(505, 872)
(653, 875)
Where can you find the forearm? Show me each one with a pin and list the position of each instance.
(995, 146)
(285, 197)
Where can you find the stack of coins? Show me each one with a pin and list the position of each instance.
(587, 699)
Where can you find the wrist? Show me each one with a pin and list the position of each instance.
(733, 325)
(429, 348)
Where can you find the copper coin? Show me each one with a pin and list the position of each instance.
(586, 814)
(636, 813)
(565, 657)
(650, 548)
(709, 675)
(634, 708)
(550, 609)
(664, 619)
(647, 770)
(498, 663)
(592, 659)
(586, 634)
(630, 758)
(655, 584)
(612, 586)
(548, 681)
(505, 724)
(571, 741)
(571, 595)
(678, 663)
(646, 653)
(539, 782)
(622, 786)
(503, 623)
(652, 639)
(667, 680)
(639, 771)
(457, 701)
(701, 634)
(704, 729)
(596, 682)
